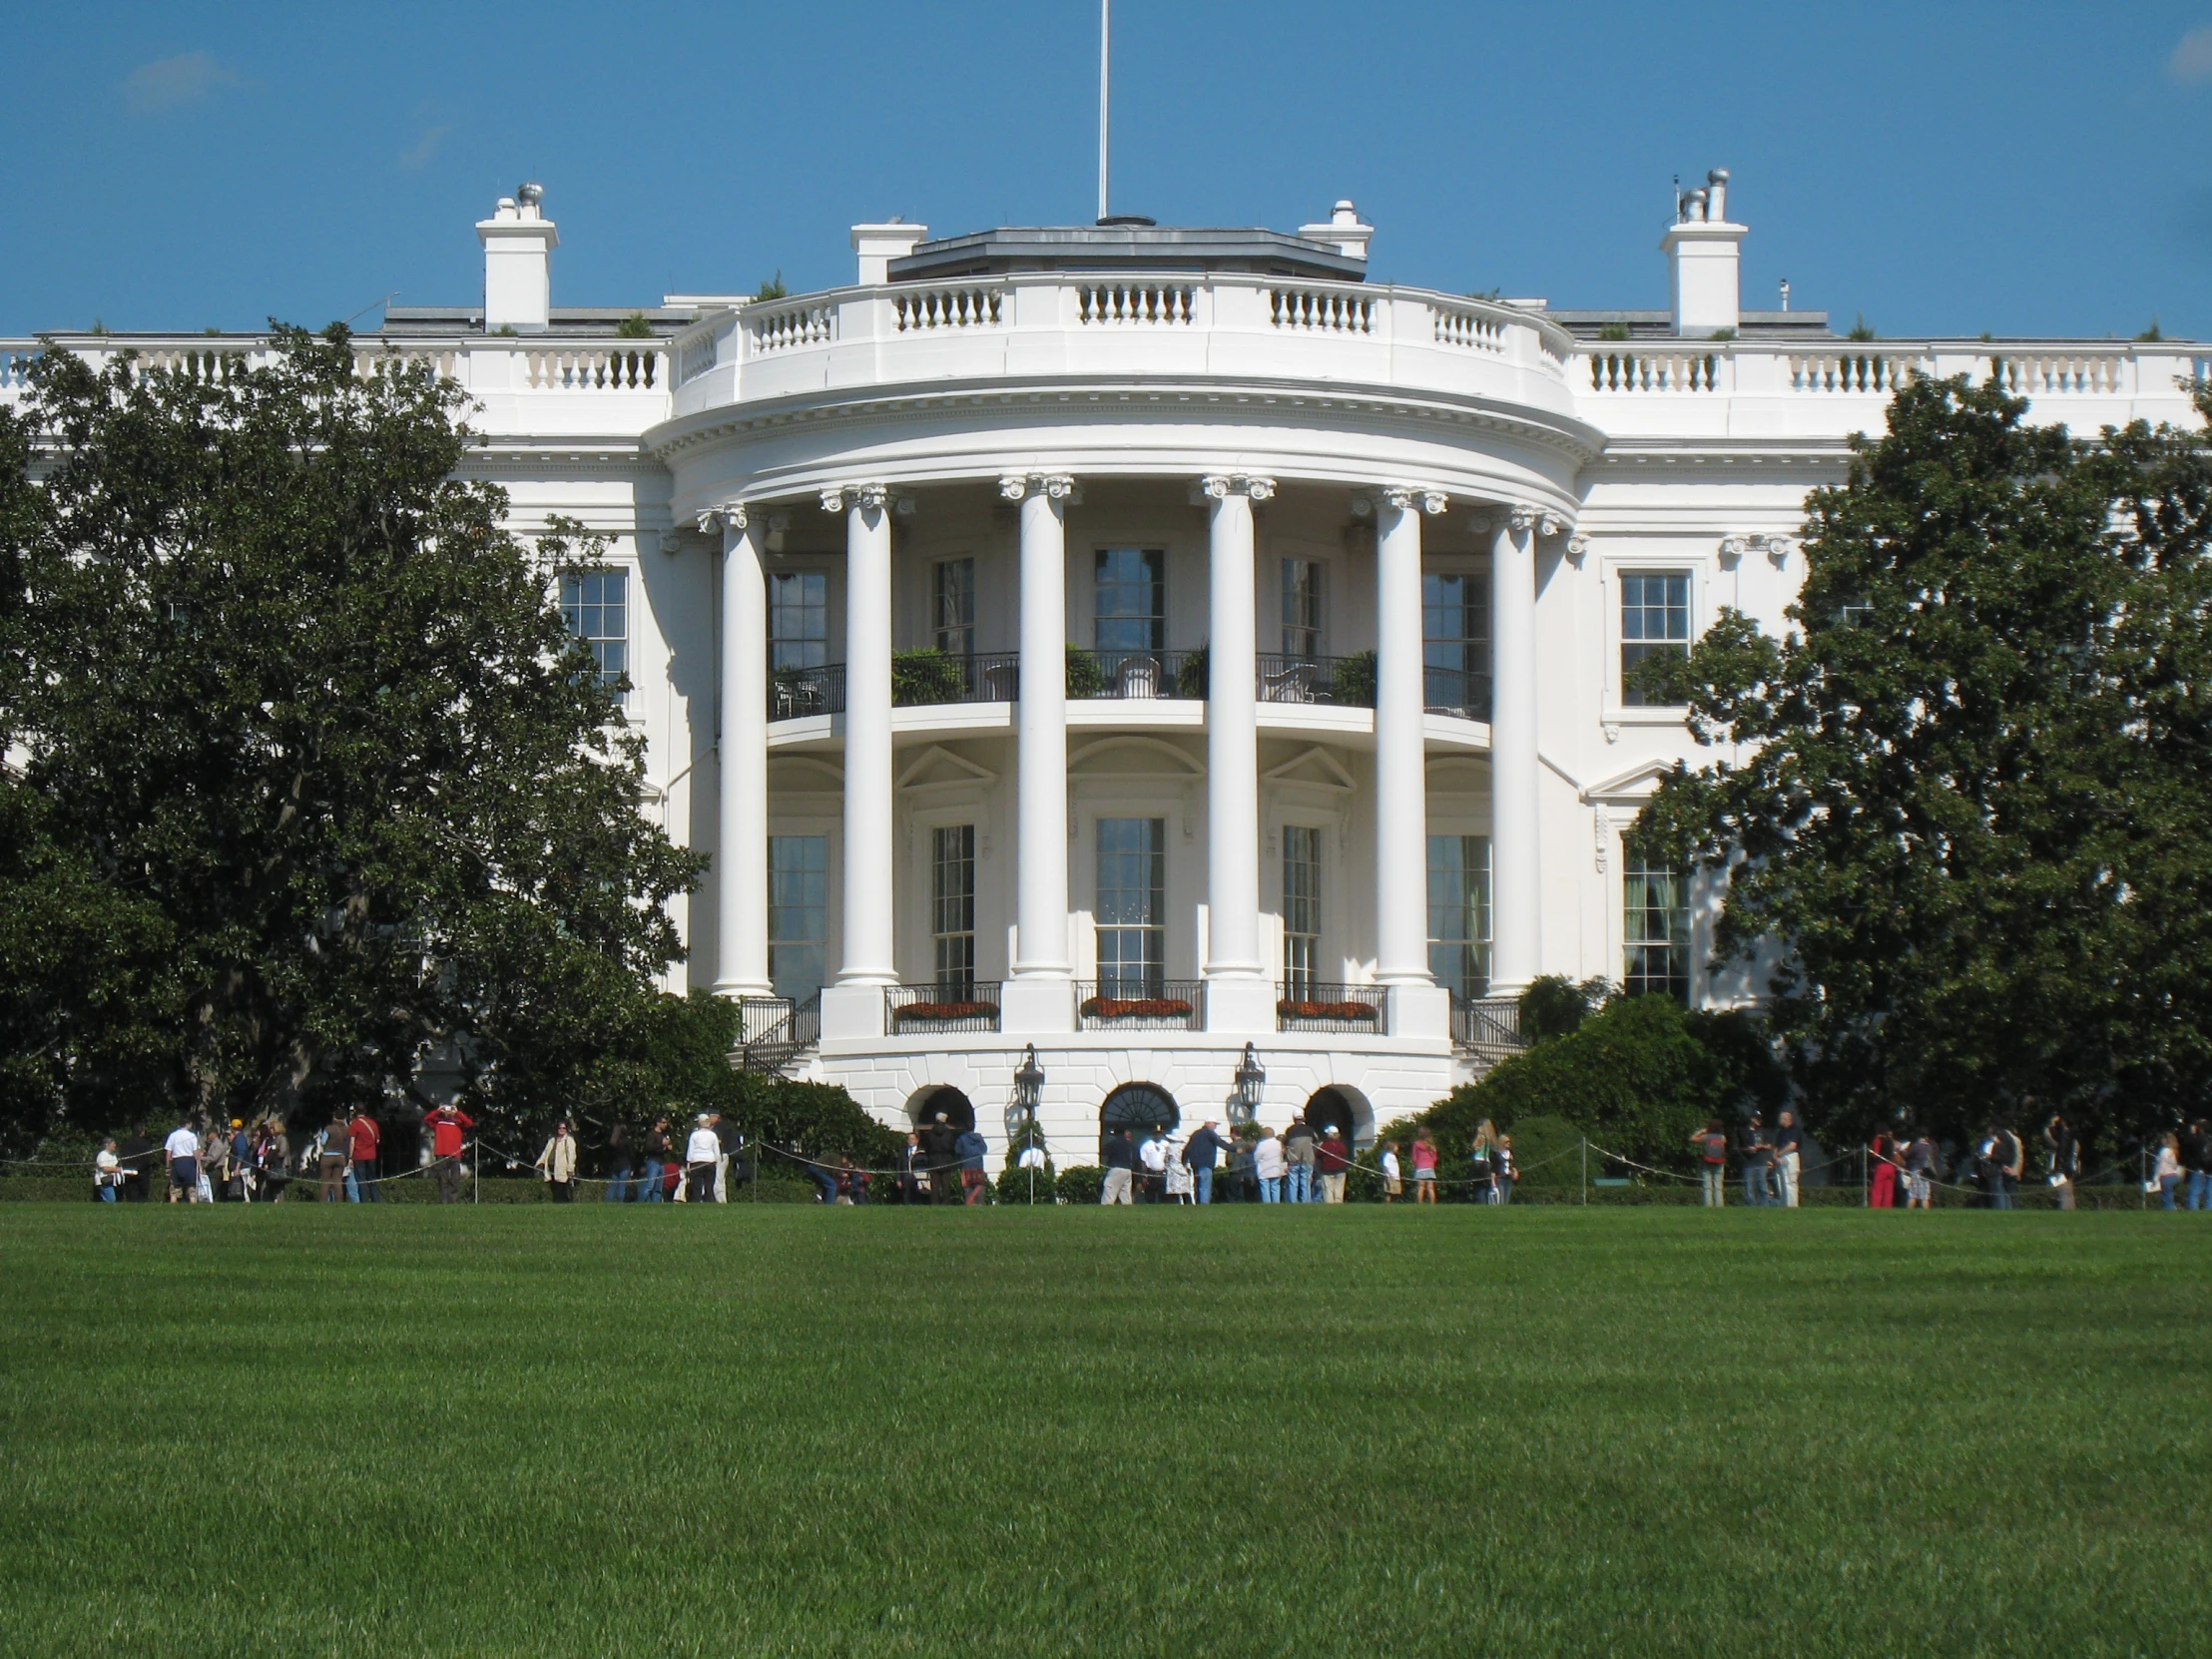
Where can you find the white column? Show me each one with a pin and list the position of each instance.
(1240, 993)
(741, 859)
(1401, 744)
(1515, 900)
(1041, 999)
(868, 958)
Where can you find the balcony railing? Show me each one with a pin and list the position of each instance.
(1157, 1005)
(922, 678)
(972, 1006)
(1328, 1005)
(1346, 682)
(1448, 691)
(772, 1051)
(1136, 675)
(795, 692)
(1486, 1027)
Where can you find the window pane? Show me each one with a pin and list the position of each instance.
(955, 605)
(797, 913)
(1132, 905)
(1302, 608)
(797, 618)
(1655, 620)
(1300, 907)
(1459, 912)
(1131, 601)
(1656, 926)
(1455, 642)
(595, 605)
(952, 907)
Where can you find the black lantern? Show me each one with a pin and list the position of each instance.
(1021, 1114)
(1252, 1077)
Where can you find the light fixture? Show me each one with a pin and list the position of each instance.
(1252, 1077)
(1021, 1113)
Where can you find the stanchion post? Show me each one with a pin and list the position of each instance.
(477, 1181)
(1585, 1169)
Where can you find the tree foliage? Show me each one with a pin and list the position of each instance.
(1974, 812)
(304, 739)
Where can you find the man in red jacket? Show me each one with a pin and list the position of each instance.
(447, 1124)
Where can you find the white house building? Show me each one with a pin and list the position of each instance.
(1162, 650)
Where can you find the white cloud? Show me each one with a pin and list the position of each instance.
(166, 83)
(426, 147)
(2191, 63)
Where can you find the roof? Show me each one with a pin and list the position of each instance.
(1126, 245)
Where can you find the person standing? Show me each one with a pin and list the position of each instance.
(1152, 1157)
(1331, 1160)
(1298, 1160)
(725, 1137)
(140, 1159)
(1711, 1146)
(1424, 1169)
(1501, 1169)
(2063, 1150)
(659, 1150)
(1482, 1176)
(939, 1145)
(365, 1141)
(1393, 1180)
(1755, 1153)
(272, 1159)
(1920, 1170)
(448, 1126)
(971, 1149)
(1882, 1171)
(107, 1173)
(700, 1154)
(557, 1163)
(183, 1151)
(1788, 1148)
(1268, 1164)
(329, 1159)
(2198, 1156)
(910, 1171)
(2165, 1174)
(2011, 1161)
(1121, 1169)
(1200, 1153)
(1988, 1168)
(618, 1164)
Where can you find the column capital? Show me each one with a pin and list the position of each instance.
(1053, 487)
(731, 515)
(1578, 547)
(1413, 498)
(1219, 486)
(1544, 521)
(874, 497)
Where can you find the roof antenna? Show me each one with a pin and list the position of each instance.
(1105, 60)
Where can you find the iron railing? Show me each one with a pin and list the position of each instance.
(971, 1006)
(1141, 1005)
(795, 693)
(1449, 691)
(920, 679)
(1346, 682)
(1136, 675)
(1328, 1005)
(776, 1048)
(1486, 1027)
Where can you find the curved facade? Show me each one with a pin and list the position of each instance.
(1165, 650)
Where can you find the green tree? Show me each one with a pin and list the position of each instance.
(292, 701)
(1975, 819)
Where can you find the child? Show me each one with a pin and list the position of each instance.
(1393, 1180)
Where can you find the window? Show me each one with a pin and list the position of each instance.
(1302, 609)
(1131, 904)
(952, 907)
(953, 606)
(797, 618)
(1130, 617)
(1656, 926)
(797, 913)
(1300, 908)
(596, 606)
(1655, 620)
(1460, 913)
(1455, 643)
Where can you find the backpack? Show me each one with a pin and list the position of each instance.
(1716, 1149)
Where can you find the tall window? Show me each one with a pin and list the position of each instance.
(1455, 643)
(953, 606)
(1302, 608)
(1130, 602)
(797, 913)
(596, 606)
(1459, 912)
(1300, 908)
(1132, 905)
(1655, 620)
(797, 618)
(952, 907)
(1656, 926)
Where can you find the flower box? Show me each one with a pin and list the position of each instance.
(1135, 1008)
(1289, 1009)
(948, 1010)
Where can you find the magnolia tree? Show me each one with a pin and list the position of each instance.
(308, 779)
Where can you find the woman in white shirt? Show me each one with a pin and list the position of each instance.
(700, 1155)
(2166, 1174)
(1267, 1167)
(558, 1163)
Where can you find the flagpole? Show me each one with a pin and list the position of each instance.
(1105, 56)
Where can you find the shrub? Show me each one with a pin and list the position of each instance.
(1352, 681)
(919, 677)
(1085, 676)
(1082, 1182)
(1190, 680)
(1015, 1186)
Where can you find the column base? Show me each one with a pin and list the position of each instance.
(1036, 1007)
(849, 1011)
(1422, 1011)
(1241, 1007)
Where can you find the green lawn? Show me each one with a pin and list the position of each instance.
(1298, 1432)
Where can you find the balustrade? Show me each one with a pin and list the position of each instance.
(920, 308)
(1136, 675)
(1321, 310)
(1654, 371)
(592, 369)
(797, 693)
(1346, 682)
(1849, 372)
(2040, 376)
(971, 1005)
(1147, 1005)
(1463, 326)
(780, 327)
(1451, 690)
(1135, 303)
(697, 355)
(1328, 1005)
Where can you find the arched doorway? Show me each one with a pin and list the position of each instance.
(1344, 1110)
(1138, 1108)
(957, 1110)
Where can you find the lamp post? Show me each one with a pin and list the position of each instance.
(1022, 1113)
(1252, 1077)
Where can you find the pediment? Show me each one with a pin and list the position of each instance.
(1631, 787)
(1314, 769)
(937, 767)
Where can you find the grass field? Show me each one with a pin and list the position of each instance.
(304, 1430)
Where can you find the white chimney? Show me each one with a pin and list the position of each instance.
(1343, 232)
(1700, 248)
(518, 246)
(878, 244)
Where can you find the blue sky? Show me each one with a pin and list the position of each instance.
(2016, 167)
